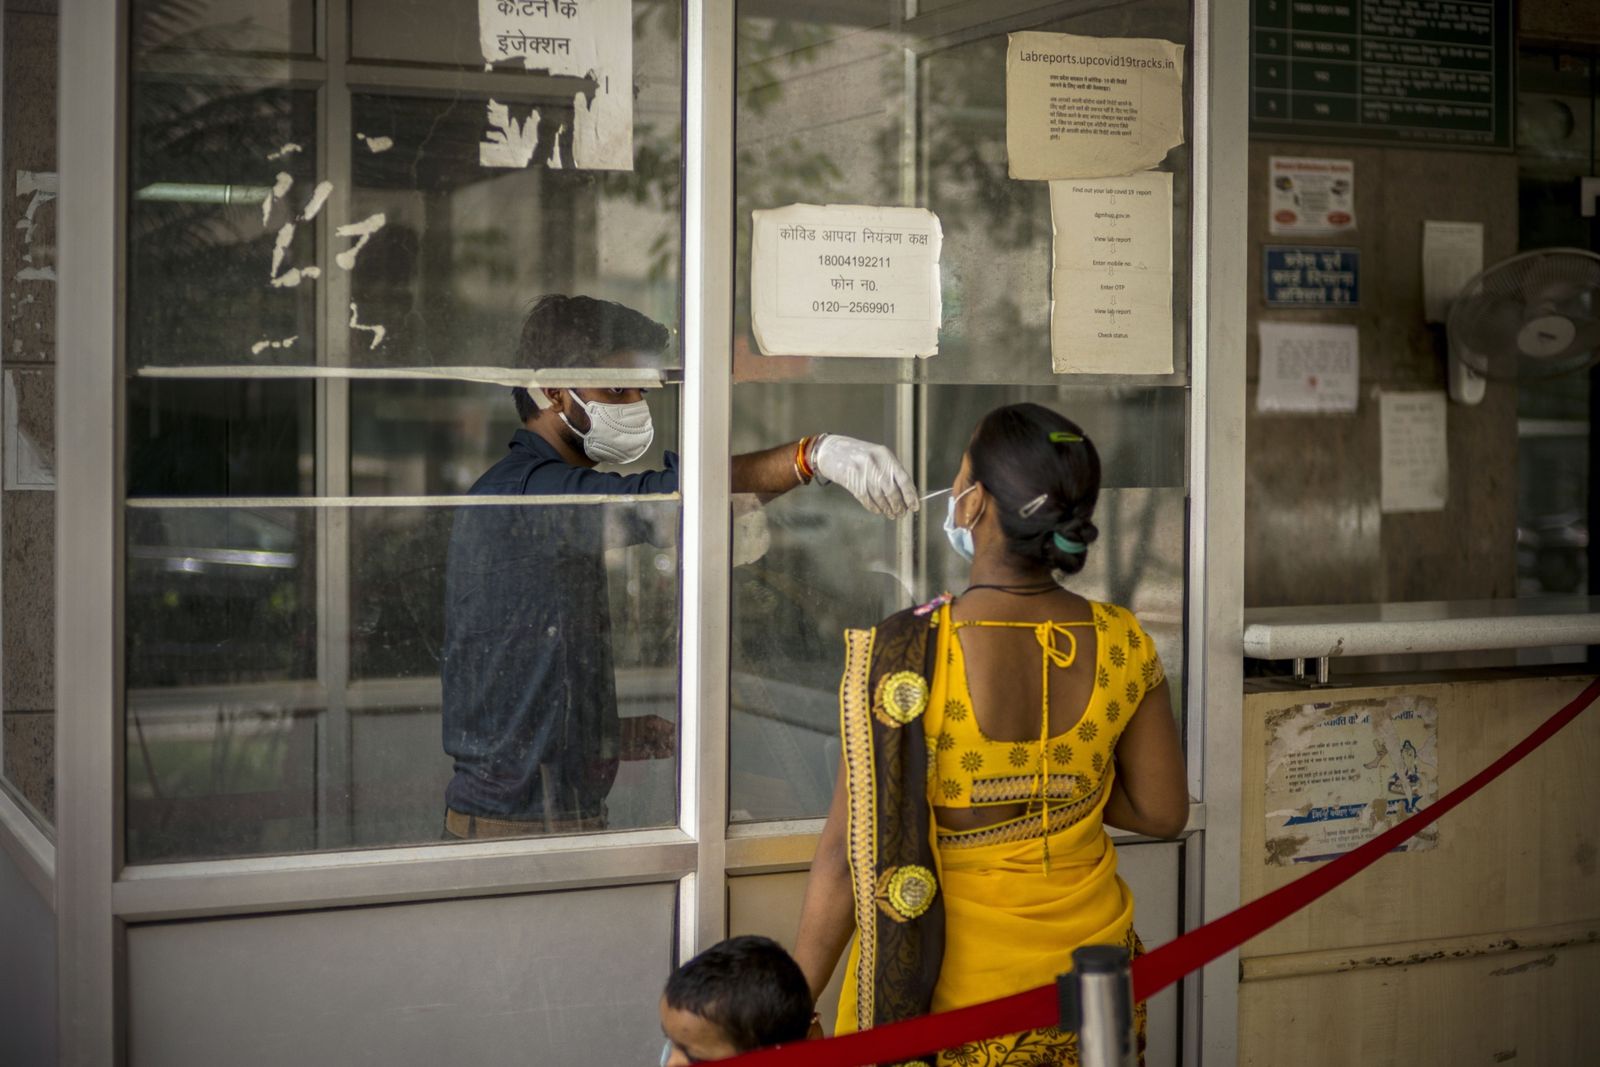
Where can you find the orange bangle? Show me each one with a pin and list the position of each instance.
(801, 467)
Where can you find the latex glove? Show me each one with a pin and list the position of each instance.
(869, 471)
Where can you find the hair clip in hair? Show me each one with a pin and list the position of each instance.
(1062, 437)
(1027, 510)
(1069, 546)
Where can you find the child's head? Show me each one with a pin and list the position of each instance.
(737, 996)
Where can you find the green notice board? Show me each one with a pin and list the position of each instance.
(1383, 71)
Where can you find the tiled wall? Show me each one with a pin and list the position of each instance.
(27, 377)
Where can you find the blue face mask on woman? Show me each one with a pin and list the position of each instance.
(960, 536)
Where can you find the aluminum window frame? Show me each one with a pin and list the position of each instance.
(99, 896)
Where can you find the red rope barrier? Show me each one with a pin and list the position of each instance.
(1152, 973)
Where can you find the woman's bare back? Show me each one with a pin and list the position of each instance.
(1004, 676)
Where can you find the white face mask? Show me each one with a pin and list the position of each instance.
(618, 433)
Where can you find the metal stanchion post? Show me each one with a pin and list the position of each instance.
(1096, 999)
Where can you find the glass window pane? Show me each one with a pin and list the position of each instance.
(806, 566)
(216, 596)
(317, 669)
(203, 255)
(535, 645)
(27, 389)
(861, 106)
(257, 27)
(1557, 124)
(414, 438)
(420, 250)
(465, 248)
(216, 437)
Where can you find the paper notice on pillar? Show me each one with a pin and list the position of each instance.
(1452, 255)
(588, 39)
(1091, 107)
(1310, 196)
(1340, 774)
(1308, 367)
(841, 280)
(1416, 456)
(1111, 281)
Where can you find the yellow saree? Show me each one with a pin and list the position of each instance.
(1018, 896)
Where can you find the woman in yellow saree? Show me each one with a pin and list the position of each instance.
(988, 739)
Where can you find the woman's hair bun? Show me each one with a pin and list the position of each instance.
(1043, 473)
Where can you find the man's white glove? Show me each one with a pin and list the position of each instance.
(869, 471)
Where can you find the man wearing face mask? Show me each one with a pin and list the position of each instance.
(530, 711)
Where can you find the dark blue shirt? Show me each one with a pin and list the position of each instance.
(530, 707)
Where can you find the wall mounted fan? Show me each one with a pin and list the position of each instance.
(1535, 315)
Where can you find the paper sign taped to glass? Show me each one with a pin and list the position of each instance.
(570, 38)
(844, 280)
(1091, 107)
(1111, 279)
(1339, 774)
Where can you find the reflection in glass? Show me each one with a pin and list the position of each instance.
(220, 596)
(28, 215)
(806, 566)
(206, 155)
(286, 665)
(220, 775)
(537, 634)
(466, 248)
(860, 106)
(417, 438)
(256, 725)
(1557, 127)
(254, 27)
(218, 437)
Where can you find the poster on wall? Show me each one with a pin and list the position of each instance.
(571, 38)
(1310, 276)
(1111, 275)
(1310, 196)
(1415, 452)
(1090, 107)
(845, 280)
(1340, 774)
(1308, 368)
(1421, 72)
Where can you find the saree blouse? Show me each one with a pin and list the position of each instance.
(1062, 777)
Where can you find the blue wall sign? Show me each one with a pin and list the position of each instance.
(1311, 276)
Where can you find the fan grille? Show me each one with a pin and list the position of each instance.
(1496, 313)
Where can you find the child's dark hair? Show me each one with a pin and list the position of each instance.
(1043, 474)
(749, 987)
(580, 331)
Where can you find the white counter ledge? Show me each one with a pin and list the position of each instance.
(1420, 626)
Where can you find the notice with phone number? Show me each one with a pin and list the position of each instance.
(845, 280)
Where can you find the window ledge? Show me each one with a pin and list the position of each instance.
(1420, 626)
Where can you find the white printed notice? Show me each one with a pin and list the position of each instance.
(1111, 280)
(845, 281)
(1452, 255)
(1308, 367)
(1310, 196)
(1340, 774)
(588, 39)
(1091, 107)
(1416, 457)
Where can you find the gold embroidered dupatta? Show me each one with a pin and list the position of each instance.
(893, 863)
